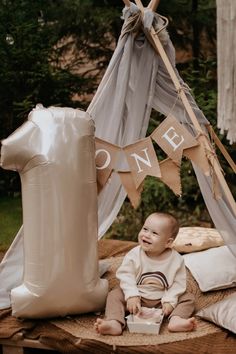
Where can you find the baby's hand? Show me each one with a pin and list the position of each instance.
(134, 304)
(167, 308)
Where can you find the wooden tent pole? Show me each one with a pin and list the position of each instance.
(127, 3)
(160, 50)
(222, 148)
(153, 5)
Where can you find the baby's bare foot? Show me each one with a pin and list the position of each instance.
(111, 327)
(179, 324)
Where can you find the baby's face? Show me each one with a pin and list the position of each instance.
(155, 235)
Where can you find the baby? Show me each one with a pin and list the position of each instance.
(151, 275)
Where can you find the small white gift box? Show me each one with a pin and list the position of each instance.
(143, 327)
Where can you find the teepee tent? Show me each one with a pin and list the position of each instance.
(141, 76)
(128, 122)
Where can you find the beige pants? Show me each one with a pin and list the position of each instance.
(116, 305)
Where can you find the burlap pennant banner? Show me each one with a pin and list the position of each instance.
(134, 194)
(142, 160)
(198, 155)
(173, 138)
(105, 159)
(170, 175)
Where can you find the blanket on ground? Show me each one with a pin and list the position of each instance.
(76, 333)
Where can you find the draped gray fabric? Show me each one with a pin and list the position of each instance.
(122, 105)
(137, 80)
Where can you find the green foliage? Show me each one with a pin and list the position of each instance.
(45, 48)
(203, 84)
(10, 220)
(27, 40)
(192, 25)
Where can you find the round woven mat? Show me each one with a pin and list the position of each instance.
(82, 326)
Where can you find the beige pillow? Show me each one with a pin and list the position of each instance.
(192, 239)
(213, 269)
(223, 313)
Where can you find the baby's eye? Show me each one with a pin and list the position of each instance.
(145, 229)
(155, 233)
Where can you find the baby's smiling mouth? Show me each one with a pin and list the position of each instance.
(147, 242)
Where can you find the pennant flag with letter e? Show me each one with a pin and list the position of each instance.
(105, 159)
(173, 138)
(128, 183)
(142, 160)
(198, 155)
(170, 175)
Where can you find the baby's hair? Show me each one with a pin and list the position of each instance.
(172, 220)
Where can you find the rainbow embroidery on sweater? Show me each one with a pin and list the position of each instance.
(153, 278)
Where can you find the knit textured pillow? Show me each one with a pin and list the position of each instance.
(193, 239)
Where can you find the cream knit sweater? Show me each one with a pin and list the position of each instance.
(142, 276)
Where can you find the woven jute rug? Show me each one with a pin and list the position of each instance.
(82, 326)
(76, 334)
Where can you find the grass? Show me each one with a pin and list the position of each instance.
(10, 220)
